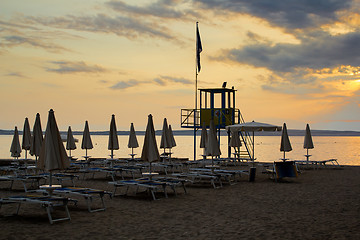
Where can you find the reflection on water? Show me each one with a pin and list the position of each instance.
(267, 148)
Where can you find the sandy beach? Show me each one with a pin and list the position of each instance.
(319, 204)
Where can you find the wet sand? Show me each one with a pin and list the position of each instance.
(319, 204)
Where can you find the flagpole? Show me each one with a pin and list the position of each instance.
(196, 75)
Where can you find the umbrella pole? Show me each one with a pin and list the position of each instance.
(284, 159)
(150, 171)
(112, 154)
(50, 179)
(132, 153)
(307, 157)
(253, 149)
(25, 154)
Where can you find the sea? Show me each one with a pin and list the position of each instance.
(345, 149)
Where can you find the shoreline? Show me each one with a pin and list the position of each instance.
(291, 132)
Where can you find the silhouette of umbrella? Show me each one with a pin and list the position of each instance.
(113, 137)
(133, 142)
(70, 141)
(37, 138)
(86, 139)
(172, 139)
(15, 148)
(53, 154)
(235, 140)
(213, 148)
(26, 139)
(165, 137)
(203, 139)
(285, 142)
(308, 143)
(150, 151)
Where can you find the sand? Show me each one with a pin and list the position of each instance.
(319, 204)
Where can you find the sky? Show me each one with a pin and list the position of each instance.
(295, 61)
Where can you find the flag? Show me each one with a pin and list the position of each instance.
(198, 48)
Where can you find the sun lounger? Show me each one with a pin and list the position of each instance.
(61, 177)
(88, 193)
(198, 177)
(150, 185)
(24, 179)
(317, 164)
(173, 182)
(282, 170)
(49, 203)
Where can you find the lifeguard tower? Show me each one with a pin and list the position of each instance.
(217, 104)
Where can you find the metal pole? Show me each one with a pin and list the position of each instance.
(196, 74)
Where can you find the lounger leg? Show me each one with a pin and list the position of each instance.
(183, 184)
(213, 183)
(165, 193)
(18, 208)
(49, 214)
(114, 191)
(153, 194)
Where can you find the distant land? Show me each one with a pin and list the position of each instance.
(291, 132)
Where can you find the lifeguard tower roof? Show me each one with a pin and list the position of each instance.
(217, 90)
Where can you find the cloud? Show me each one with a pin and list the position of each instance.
(165, 9)
(325, 51)
(75, 67)
(15, 74)
(13, 35)
(292, 14)
(164, 80)
(127, 84)
(16, 40)
(132, 28)
(317, 57)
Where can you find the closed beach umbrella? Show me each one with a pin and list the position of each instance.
(133, 142)
(70, 141)
(15, 148)
(285, 145)
(113, 137)
(86, 139)
(235, 139)
(26, 140)
(165, 136)
(213, 148)
(150, 151)
(203, 139)
(308, 143)
(172, 138)
(37, 138)
(53, 154)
